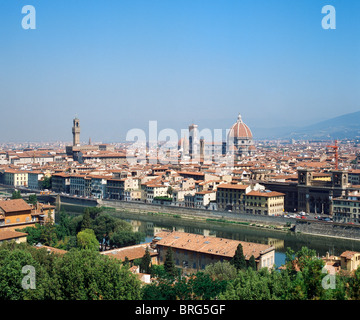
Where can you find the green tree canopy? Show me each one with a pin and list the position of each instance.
(221, 270)
(16, 195)
(89, 275)
(86, 222)
(122, 238)
(86, 239)
(33, 199)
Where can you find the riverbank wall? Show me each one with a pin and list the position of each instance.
(328, 229)
(312, 227)
(192, 212)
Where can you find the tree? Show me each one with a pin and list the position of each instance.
(33, 199)
(257, 285)
(75, 225)
(305, 272)
(48, 234)
(34, 233)
(169, 191)
(106, 224)
(86, 221)
(157, 271)
(46, 183)
(14, 257)
(63, 226)
(126, 238)
(206, 288)
(95, 211)
(126, 262)
(221, 270)
(16, 195)
(89, 275)
(145, 265)
(169, 264)
(252, 262)
(86, 239)
(239, 259)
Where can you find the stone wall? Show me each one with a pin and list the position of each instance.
(207, 214)
(328, 229)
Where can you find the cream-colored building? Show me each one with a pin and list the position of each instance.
(265, 203)
(155, 190)
(16, 178)
(203, 198)
(231, 196)
(350, 260)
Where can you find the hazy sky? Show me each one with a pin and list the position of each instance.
(118, 64)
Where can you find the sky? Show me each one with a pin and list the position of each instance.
(118, 64)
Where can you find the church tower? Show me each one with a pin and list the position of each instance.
(76, 132)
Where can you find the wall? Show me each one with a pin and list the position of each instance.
(146, 207)
(329, 229)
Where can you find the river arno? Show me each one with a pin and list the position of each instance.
(150, 224)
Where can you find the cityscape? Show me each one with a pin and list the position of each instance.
(212, 160)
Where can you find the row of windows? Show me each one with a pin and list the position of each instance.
(18, 220)
(344, 210)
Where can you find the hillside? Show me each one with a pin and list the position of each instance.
(346, 126)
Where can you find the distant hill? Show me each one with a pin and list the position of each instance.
(346, 126)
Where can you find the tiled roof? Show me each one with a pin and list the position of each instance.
(14, 205)
(211, 245)
(9, 234)
(348, 254)
(232, 186)
(265, 194)
(132, 253)
(50, 249)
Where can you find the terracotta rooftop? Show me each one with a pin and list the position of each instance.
(210, 245)
(232, 186)
(50, 249)
(265, 194)
(14, 205)
(348, 254)
(9, 234)
(132, 253)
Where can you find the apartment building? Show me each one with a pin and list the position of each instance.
(231, 196)
(17, 213)
(269, 203)
(16, 178)
(346, 209)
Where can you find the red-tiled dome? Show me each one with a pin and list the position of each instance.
(240, 130)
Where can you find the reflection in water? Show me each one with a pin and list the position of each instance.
(150, 225)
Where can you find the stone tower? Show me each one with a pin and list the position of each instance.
(76, 132)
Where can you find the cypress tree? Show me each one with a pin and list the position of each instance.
(145, 262)
(252, 263)
(169, 264)
(86, 221)
(239, 259)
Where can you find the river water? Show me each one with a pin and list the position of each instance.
(150, 225)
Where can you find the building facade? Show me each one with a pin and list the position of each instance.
(193, 252)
